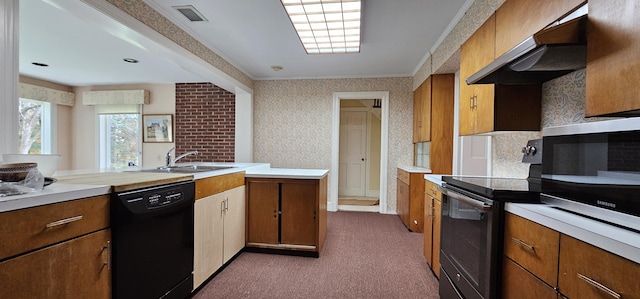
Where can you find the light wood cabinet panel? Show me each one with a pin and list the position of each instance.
(516, 20)
(613, 58)
(77, 268)
(28, 229)
(609, 270)
(219, 231)
(287, 214)
(519, 283)
(533, 246)
(235, 221)
(208, 237)
(262, 209)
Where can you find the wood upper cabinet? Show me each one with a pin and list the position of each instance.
(286, 213)
(487, 108)
(590, 272)
(442, 111)
(419, 133)
(613, 58)
(516, 20)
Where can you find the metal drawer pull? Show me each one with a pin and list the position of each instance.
(599, 286)
(64, 221)
(523, 244)
(108, 248)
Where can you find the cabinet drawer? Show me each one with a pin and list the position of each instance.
(217, 184)
(519, 283)
(404, 176)
(583, 267)
(432, 190)
(532, 246)
(28, 229)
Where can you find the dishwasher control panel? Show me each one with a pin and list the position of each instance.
(154, 199)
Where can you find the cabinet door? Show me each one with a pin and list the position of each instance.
(403, 202)
(299, 213)
(533, 246)
(442, 109)
(262, 207)
(416, 202)
(428, 229)
(583, 267)
(519, 19)
(417, 113)
(207, 237)
(425, 111)
(234, 222)
(613, 57)
(475, 53)
(519, 283)
(77, 268)
(437, 225)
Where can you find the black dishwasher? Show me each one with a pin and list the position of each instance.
(152, 233)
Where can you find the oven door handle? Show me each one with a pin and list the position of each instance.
(483, 206)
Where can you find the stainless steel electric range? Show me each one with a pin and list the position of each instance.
(472, 227)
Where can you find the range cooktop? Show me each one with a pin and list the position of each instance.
(501, 189)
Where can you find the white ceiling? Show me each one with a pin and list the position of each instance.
(85, 47)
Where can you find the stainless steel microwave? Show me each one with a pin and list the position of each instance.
(593, 169)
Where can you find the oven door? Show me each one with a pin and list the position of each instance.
(469, 243)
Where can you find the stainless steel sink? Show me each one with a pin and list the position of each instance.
(187, 168)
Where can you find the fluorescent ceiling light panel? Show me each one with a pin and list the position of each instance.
(326, 26)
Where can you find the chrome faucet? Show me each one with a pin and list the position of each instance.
(171, 162)
(183, 155)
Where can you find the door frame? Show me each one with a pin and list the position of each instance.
(332, 204)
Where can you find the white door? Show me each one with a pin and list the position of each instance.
(353, 149)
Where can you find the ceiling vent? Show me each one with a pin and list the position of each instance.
(190, 13)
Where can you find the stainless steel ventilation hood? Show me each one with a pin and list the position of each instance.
(552, 52)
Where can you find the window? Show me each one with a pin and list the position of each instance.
(35, 128)
(120, 139)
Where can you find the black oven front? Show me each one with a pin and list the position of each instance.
(592, 172)
(469, 256)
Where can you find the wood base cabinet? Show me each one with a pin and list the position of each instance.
(61, 250)
(432, 226)
(410, 199)
(287, 214)
(219, 219)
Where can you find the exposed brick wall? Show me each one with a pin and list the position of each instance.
(205, 121)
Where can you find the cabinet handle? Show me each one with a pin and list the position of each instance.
(275, 213)
(108, 248)
(433, 212)
(523, 244)
(222, 207)
(226, 205)
(64, 221)
(475, 101)
(471, 103)
(600, 286)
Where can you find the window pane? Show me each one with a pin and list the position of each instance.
(30, 126)
(120, 140)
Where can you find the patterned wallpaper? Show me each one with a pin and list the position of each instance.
(293, 119)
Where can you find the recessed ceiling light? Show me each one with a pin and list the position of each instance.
(276, 67)
(190, 13)
(326, 26)
(130, 60)
(40, 64)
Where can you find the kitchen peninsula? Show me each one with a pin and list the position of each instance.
(67, 224)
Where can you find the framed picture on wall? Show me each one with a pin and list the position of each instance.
(157, 128)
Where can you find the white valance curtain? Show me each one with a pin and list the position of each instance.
(44, 94)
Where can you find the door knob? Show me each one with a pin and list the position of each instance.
(362, 159)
